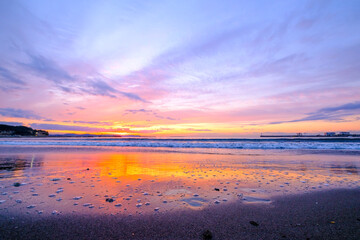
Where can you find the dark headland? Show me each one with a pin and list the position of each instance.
(7, 130)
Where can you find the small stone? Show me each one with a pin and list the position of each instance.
(77, 198)
(156, 209)
(109, 200)
(35, 194)
(17, 184)
(86, 204)
(118, 205)
(18, 200)
(254, 223)
(139, 205)
(217, 189)
(59, 199)
(40, 212)
(216, 201)
(55, 212)
(68, 178)
(207, 235)
(59, 190)
(56, 179)
(30, 206)
(88, 169)
(52, 195)
(2, 201)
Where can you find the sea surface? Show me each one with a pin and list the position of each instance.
(278, 143)
(135, 176)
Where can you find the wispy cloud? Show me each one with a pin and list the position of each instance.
(8, 76)
(94, 123)
(19, 113)
(99, 87)
(9, 80)
(12, 123)
(199, 130)
(148, 112)
(60, 127)
(75, 84)
(63, 127)
(47, 68)
(330, 113)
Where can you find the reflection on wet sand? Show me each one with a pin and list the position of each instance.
(136, 182)
(13, 164)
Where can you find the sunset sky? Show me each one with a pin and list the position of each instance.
(180, 68)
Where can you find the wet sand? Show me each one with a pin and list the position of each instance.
(152, 193)
(333, 214)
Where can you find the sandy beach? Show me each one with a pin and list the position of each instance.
(90, 192)
(323, 215)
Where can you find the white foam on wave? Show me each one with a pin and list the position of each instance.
(191, 144)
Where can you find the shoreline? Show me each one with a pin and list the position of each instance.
(332, 214)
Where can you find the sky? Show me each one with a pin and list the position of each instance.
(196, 68)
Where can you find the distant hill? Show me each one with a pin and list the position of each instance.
(7, 130)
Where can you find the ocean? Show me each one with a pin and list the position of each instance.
(321, 144)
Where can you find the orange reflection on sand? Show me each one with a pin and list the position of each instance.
(140, 181)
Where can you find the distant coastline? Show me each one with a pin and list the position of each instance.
(325, 135)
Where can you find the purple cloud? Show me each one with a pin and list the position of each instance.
(19, 113)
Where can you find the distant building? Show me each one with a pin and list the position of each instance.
(41, 133)
(6, 133)
(344, 133)
(330, 134)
